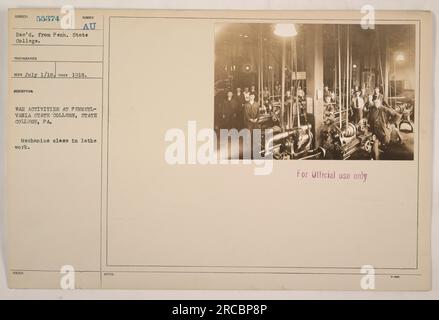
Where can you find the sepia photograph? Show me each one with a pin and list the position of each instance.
(323, 91)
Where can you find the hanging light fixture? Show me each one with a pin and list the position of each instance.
(400, 57)
(285, 30)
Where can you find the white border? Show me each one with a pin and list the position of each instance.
(5, 293)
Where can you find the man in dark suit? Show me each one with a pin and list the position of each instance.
(252, 113)
(240, 100)
(251, 117)
(229, 112)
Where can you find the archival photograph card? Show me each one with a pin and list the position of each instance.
(259, 150)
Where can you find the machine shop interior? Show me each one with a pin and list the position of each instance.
(327, 91)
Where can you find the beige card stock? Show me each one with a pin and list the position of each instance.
(97, 98)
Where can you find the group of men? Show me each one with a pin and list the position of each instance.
(359, 100)
(381, 119)
(242, 108)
